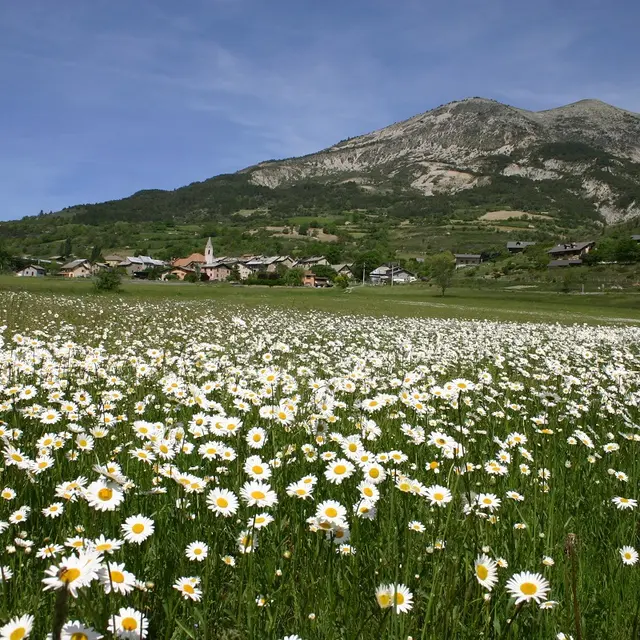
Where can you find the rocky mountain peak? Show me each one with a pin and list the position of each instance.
(452, 147)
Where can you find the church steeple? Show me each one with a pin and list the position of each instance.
(208, 252)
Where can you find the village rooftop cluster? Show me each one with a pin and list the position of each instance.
(208, 267)
(211, 268)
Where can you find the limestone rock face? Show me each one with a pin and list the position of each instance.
(465, 144)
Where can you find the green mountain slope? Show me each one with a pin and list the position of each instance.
(416, 186)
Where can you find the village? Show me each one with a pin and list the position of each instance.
(312, 271)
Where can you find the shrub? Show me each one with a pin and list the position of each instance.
(107, 280)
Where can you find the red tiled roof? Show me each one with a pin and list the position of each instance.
(183, 262)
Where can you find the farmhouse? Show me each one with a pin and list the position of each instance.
(268, 264)
(310, 279)
(467, 259)
(136, 264)
(178, 272)
(259, 264)
(391, 274)
(518, 246)
(313, 261)
(113, 260)
(571, 250)
(220, 271)
(343, 270)
(32, 271)
(80, 268)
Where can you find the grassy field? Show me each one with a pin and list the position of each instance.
(418, 300)
(179, 465)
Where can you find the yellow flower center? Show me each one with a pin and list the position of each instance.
(222, 502)
(187, 588)
(117, 576)
(257, 469)
(137, 528)
(18, 634)
(374, 473)
(105, 494)
(331, 512)
(17, 457)
(69, 575)
(258, 495)
(368, 491)
(79, 636)
(129, 624)
(257, 437)
(103, 547)
(384, 600)
(399, 598)
(438, 496)
(340, 469)
(482, 572)
(528, 588)
(301, 492)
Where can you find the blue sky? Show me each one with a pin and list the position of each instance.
(99, 99)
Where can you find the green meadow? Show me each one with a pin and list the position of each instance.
(490, 302)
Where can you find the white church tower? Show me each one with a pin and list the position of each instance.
(208, 252)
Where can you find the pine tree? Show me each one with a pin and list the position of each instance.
(66, 248)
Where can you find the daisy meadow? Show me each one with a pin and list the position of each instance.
(182, 461)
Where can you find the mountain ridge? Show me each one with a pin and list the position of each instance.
(444, 149)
